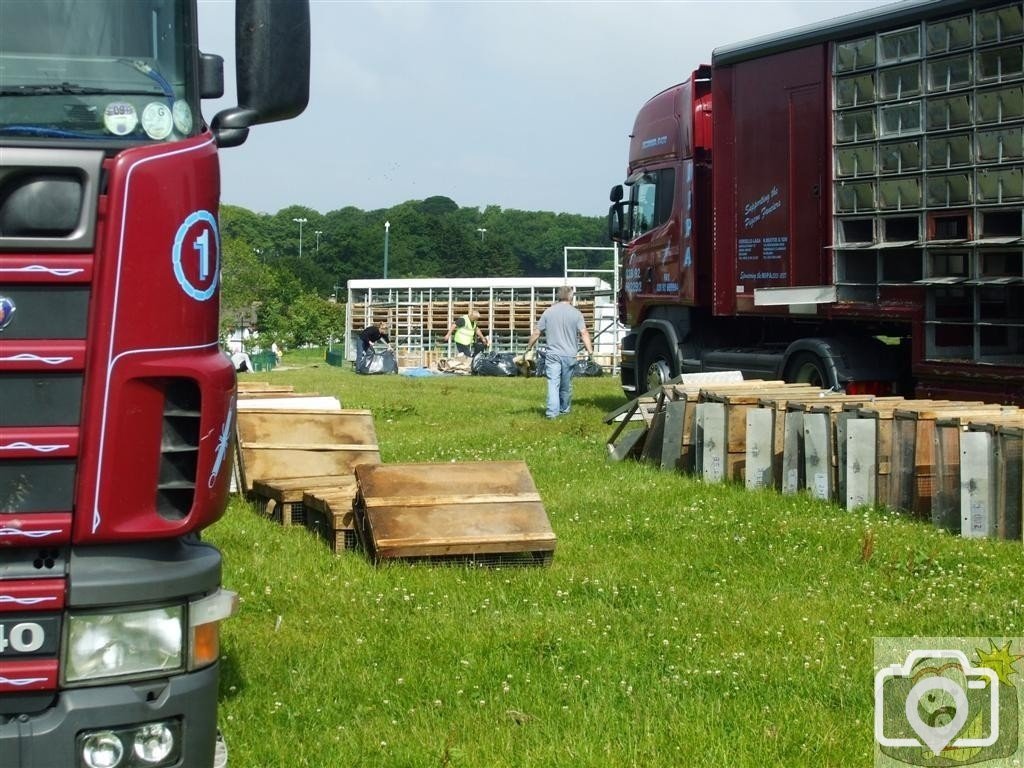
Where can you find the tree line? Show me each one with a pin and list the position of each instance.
(297, 298)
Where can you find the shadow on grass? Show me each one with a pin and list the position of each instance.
(231, 678)
(604, 403)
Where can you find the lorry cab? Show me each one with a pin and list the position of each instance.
(846, 208)
(118, 406)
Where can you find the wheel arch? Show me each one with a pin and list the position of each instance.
(845, 359)
(658, 327)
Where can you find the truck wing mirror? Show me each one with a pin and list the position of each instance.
(615, 217)
(272, 66)
(211, 76)
(616, 193)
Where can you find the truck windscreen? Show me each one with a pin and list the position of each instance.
(97, 69)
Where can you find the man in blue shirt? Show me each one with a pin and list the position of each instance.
(563, 327)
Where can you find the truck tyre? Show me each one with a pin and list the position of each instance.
(806, 368)
(655, 365)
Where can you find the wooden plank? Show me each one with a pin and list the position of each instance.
(289, 446)
(625, 442)
(280, 444)
(281, 485)
(651, 450)
(881, 410)
(861, 462)
(818, 455)
(1010, 488)
(711, 441)
(977, 492)
(946, 486)
(290, 402)
(913, 468)
(792, 453)
(439, 500)
(628, 445)
(248, 386)
(841, 420)
(484, 509)
(760, 458)
(672, 439)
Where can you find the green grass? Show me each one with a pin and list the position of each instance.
(680, 624)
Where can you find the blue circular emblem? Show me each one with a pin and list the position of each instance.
(196, 255)
(6, 311)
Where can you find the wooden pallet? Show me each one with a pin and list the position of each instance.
(281, 444)
(990, 490)
(868, 465)
(913, 451)
(721, 423)
(485, 512)
(331, 516)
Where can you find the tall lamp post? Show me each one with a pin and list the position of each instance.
(300, 222)
(482, 231)
(318, 233)
(387, 231)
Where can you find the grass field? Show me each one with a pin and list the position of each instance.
(679, 624)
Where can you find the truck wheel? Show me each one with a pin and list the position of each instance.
(656, 364)
(806, 368)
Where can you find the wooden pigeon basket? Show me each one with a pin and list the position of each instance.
(278, 444)
(486, 513)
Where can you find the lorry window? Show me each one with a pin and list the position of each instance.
(97, 69)
(651, 200)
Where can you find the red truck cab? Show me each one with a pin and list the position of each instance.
(117, 403)
(839, 204)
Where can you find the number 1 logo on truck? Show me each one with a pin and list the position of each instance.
(196, 255)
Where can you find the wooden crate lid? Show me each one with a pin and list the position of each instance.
(303, 482)
(931, 411)
(281, 444)
(416, 510)
(248, 386)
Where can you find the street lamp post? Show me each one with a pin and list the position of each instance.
(318, 233)
(300, 222)
(482, 231)
(387, 231)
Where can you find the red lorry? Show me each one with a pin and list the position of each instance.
(839, 204)
(116, 403)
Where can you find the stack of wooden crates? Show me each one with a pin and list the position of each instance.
(321, 468)
(957, 464)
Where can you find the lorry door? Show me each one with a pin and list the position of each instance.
(806, 147)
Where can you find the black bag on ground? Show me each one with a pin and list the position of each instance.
(587, 367)
(382, 361)
(494, 364)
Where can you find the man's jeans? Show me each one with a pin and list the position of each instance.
(558, 369)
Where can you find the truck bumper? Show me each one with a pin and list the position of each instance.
(48, 739)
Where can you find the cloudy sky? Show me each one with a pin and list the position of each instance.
(524, 105)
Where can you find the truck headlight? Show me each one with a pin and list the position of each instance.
(128, 644)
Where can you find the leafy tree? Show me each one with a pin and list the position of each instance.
(432, 237)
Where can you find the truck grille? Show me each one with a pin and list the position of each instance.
(48, 203)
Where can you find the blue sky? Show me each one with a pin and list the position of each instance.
(524, 105)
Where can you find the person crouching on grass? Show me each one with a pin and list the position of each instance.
(367, 338)
(465, 330)
(563, 327)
